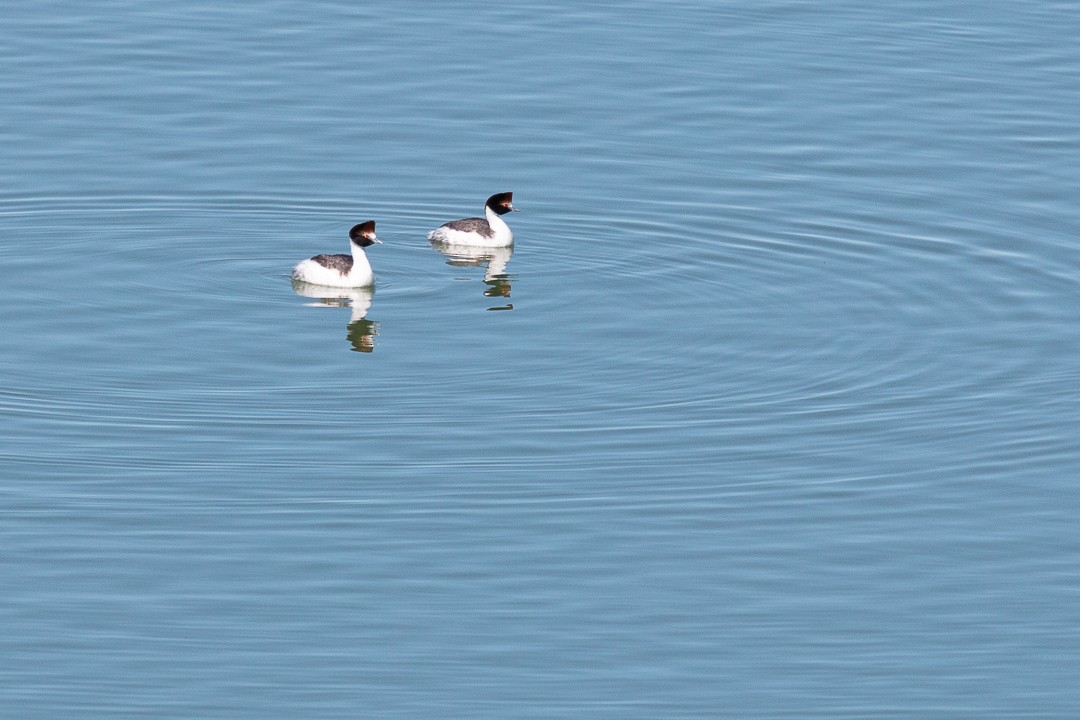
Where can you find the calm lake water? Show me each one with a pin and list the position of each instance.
(773, 411)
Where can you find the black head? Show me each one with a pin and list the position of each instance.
(501, 203)
(364, 234)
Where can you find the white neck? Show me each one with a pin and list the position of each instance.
(360, 264)
(498, 225)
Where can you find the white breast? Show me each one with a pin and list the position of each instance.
(312, 272)
(501, 235)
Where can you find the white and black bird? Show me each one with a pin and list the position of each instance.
(342, 270)
(488, 231)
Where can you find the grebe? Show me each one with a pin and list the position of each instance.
(342, 270)
(488, 231)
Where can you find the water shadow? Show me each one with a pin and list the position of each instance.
(360, 331)
(494, 262)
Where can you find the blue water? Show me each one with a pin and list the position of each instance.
(772, 411)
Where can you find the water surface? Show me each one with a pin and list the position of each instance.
(771, 411)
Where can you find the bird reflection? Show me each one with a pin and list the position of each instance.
(494, 261)
(361, 331)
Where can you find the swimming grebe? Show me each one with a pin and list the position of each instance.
(342, 270)
(488, 231)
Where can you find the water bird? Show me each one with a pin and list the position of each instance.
(342, 270)
(488, 231)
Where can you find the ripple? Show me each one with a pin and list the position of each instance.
(846, 331)
(716, 322)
